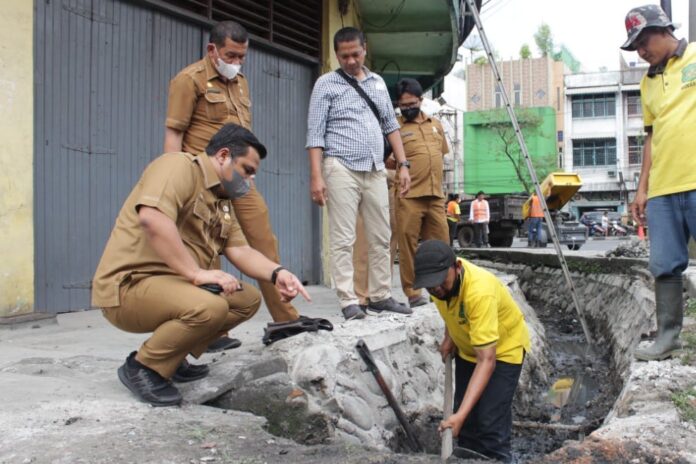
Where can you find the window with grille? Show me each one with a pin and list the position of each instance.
(295, 24)
(633, 103)
(594, 105)
(635, 150)
(518, 94)
(498, 96)
(594, 152)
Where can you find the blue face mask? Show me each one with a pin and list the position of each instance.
(237, 187)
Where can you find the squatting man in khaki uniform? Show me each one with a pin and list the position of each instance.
(202, 98)
(166, 241)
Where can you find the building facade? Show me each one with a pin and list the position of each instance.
(493, 161)
(535, 88)
(604, 137)
(84, 95)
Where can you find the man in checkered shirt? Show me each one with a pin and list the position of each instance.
(346, 149)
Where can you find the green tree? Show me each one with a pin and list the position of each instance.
(525, 52)
(506, 146)
(544, 40)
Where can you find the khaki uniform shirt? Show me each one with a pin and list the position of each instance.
(425, 145)
(200, 103)
(182, 186)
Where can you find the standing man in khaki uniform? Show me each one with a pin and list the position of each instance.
(165, 245)
(419, 214)
(202, 98)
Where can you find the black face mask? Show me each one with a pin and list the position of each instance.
(410, 113)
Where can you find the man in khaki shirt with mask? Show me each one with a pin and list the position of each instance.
(419, 215)
(203, 97)
(165, 245)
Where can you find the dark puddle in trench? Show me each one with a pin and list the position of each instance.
(580, 393)
(581, 390)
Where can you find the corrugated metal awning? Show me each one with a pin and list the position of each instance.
(590, 90)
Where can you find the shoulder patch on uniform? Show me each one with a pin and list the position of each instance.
(689, 73)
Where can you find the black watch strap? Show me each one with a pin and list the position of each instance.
(274, 275)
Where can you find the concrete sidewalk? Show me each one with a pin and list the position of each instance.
(63, 403)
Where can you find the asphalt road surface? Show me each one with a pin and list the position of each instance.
(591, 245)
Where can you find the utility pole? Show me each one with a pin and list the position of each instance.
(692, 20)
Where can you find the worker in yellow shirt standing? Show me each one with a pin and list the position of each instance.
(486, 329)
(665, 197)
(453, 214)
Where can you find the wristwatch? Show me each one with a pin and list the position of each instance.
(405, 164)
(274, 276)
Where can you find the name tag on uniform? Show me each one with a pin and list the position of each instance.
(213, 90)
(406, 134)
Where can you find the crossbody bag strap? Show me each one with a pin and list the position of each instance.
(354, 83)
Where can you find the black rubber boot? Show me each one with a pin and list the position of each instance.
(669, 307)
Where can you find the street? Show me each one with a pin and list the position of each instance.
(600, 245)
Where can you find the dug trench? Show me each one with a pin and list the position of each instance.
(315, 389)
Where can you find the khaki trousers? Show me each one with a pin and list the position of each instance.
(417, 218)
(360, 282)
(183, 318)
(252, 214)
(352, 192)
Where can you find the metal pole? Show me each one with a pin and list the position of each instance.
(692, 20)
(530, 167)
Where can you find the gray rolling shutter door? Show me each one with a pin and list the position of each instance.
(102, 69)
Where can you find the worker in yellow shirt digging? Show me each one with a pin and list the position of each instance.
(486, 330)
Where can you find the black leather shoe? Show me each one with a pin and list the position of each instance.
(223, 343)
(187, 372)
(148, 385)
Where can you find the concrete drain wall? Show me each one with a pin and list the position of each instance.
(319, 390)
(616, 295)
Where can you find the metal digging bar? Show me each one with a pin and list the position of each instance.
(412, 439)
(523, 147)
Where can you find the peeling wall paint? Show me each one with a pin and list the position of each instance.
(16, 159)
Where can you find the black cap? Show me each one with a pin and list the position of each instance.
(433, 259)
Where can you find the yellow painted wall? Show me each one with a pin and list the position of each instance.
(332, 22)
(16, 158)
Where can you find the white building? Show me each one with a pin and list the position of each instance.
(603, 139)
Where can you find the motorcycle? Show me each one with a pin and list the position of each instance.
(596, 230)
(617, 230)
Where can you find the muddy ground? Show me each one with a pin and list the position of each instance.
(588, 403)
(589, 399)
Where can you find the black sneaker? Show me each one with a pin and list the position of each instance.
(353, 311)
(148, 385)
(389, 304)
(223, 343)
(187, 372)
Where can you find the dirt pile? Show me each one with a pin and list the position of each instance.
(633, 248)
